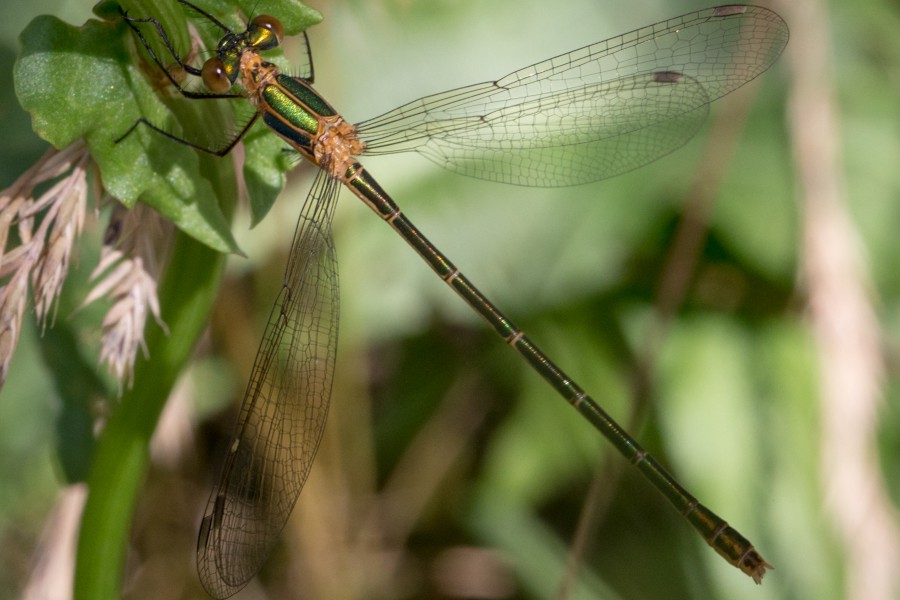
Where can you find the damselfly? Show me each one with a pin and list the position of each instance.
(579, 117)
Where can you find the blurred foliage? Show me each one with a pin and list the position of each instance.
(444, 454)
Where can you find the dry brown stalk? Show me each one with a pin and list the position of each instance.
(40, 256)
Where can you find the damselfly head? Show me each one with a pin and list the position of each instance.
(220, 72)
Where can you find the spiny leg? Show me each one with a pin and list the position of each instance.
(220, 152)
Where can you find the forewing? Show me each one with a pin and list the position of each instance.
(284, 410)
(592, 113)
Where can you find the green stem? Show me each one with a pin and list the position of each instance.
(120, 462)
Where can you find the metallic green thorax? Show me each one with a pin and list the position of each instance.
(294, 111)
(296, 103)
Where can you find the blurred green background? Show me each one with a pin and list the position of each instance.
(448, 469)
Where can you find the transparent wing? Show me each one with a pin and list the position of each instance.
(592, 113)
(284, 410)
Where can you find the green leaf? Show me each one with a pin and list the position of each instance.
(84, 82)
(80, 82)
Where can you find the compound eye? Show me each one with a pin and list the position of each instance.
(214, 77)
(273, 35)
